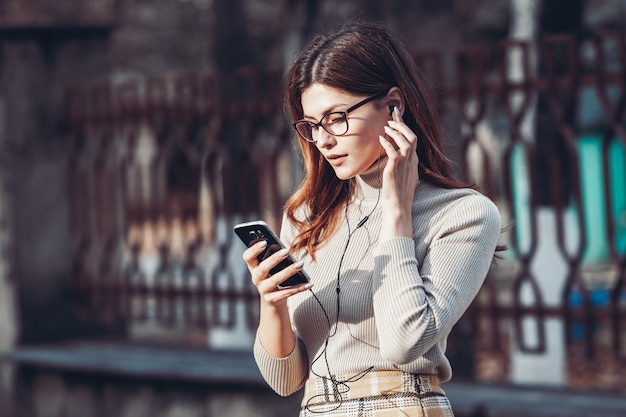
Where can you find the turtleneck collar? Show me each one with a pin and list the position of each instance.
(370, 182)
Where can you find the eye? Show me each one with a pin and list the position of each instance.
(304, 125)
(334, 118)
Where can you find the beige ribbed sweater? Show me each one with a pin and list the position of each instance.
(399, 299)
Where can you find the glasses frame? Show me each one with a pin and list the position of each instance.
(344, 113)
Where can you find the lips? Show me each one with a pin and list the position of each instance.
(336, 159)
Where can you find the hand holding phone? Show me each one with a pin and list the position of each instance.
(253, 232)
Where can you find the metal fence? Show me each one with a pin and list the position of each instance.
(159, 170)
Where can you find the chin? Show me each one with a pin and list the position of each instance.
(345, 177)
(342, 175)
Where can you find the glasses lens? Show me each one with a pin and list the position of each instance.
(336, 123)
(305, 130)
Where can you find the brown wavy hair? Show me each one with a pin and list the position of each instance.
(361, 58)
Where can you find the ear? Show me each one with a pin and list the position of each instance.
(395, 98)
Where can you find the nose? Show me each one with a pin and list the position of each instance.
(325, 139)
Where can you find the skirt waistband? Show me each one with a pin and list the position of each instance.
(374, 383)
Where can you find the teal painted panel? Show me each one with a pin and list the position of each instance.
(521, 188)
(592, 184)
(617, 169)
(594, 199)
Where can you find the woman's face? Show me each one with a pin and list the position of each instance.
(353, 153)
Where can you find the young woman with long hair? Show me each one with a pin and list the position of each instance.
(396, 248)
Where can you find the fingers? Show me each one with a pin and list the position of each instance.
(250, 254)
(401, 136)
(276, 296)
(397, 116)
(401, 170)
(390, 150)
(260, 272)
(399, 141)
(250, 257)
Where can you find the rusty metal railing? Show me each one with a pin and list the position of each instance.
(592, 297)
(159, 170)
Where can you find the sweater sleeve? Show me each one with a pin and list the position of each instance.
(284, 375)
(416, 306)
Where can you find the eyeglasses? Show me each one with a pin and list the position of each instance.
(335, 123)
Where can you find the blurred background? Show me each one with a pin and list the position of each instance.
(135, 133)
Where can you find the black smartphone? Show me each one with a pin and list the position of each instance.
(256, 231)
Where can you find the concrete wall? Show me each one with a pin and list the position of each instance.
(41, 393)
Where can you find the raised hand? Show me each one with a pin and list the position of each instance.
(400, 177)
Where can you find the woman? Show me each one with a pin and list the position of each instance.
(395, 247)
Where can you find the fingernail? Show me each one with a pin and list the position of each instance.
(298, 265)
(396, 110)
(283, 252)
(308, 286)
(387, 128)
(262, 244)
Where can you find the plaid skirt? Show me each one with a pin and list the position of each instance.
(376, 394)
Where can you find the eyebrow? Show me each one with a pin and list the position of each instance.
(331, 109)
